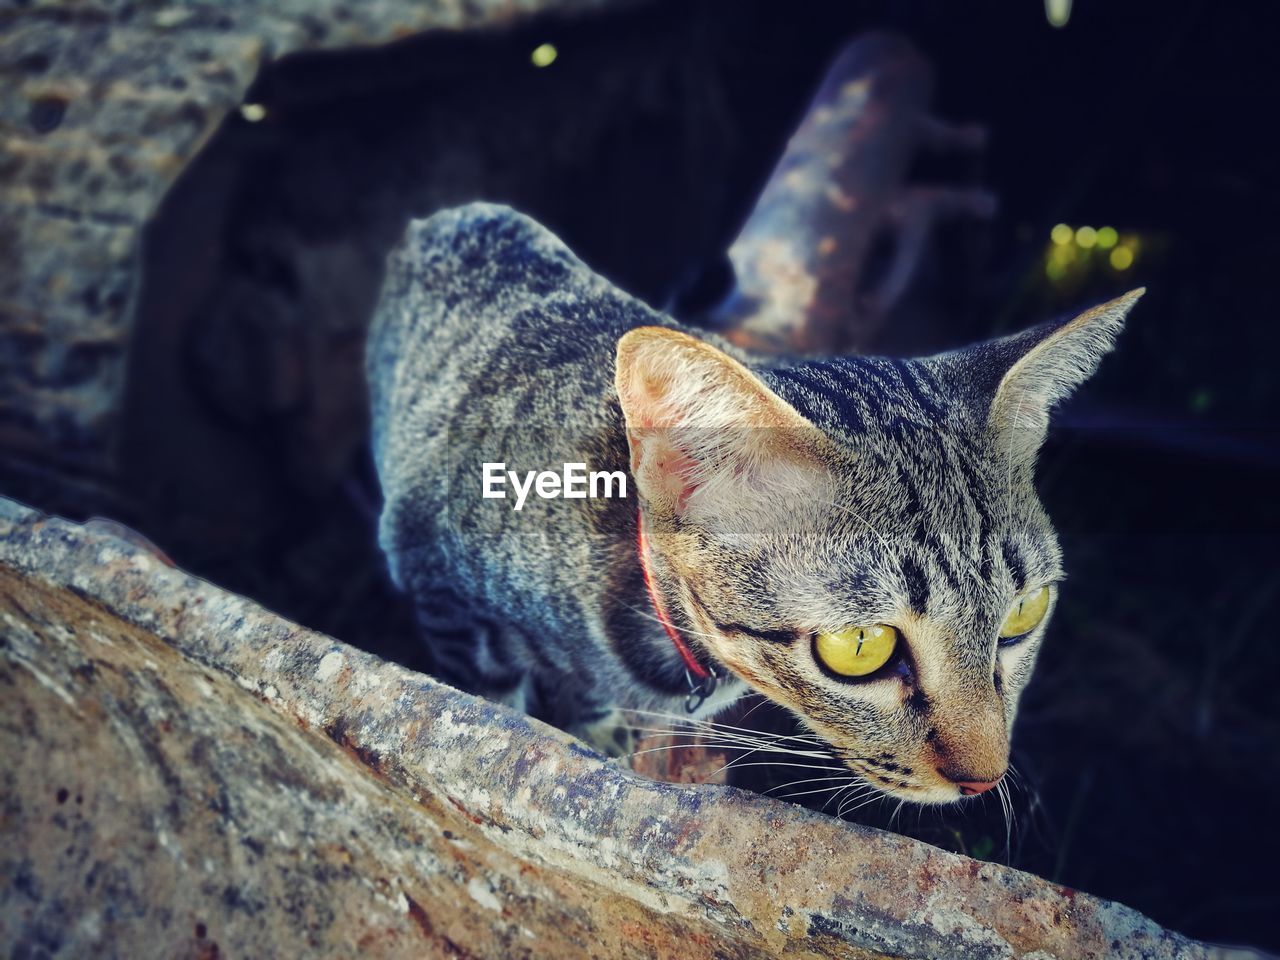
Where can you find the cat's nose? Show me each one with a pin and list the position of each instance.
(971, 788)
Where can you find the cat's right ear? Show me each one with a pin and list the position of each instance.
(709, 441)
(1058, 360)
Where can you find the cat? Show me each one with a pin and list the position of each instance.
(856, 538)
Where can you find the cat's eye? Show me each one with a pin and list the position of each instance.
(1028, 610)
(856, 651)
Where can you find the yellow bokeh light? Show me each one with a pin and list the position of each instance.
(1086, 237)
(1107, 237)
(1122, 258)
(544, 55)
(1061, 234)
(253, 112)
(1057, 12)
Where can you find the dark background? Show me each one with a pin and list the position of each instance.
(1149, 740)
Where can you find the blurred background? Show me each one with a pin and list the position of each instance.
(1124, 145)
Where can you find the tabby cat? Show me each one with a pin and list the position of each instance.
(857, 538)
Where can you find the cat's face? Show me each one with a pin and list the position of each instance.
(860, 540)
(926, 575)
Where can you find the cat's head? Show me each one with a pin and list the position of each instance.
(860, 539)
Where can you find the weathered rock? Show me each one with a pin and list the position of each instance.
(188, 775)
(102, 103)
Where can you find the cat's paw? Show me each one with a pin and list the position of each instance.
(611, 734)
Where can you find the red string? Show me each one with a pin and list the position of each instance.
(697, 669)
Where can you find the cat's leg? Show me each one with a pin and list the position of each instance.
(609, 731)
(470, 652)
(482, 656)
(563, 699)
(518, 697)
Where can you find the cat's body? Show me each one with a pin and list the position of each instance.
(782, 503)
(512, 360)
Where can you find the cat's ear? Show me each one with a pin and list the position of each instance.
(709, 441)
(1057, 362)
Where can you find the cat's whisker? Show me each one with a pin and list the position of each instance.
(832, 776)
(690, 722)
(846, 810)
(1013, 828)
(835, 796)
(641, 753)
(668, 746)
(834, 781)
(745, 748)
(1018, 779)
(1037, 820)
(737, 741)
(724, 742)
(810, 792)
(796, 783)
(693, 730)
(684, 628)
(739, 762)
(844, 804)
(760, 702)
(722, 726)
(896, 810)
(1006, 805)
(727, 745)
(752, 742)
(852, 791)
(735, 765)
(856, 801)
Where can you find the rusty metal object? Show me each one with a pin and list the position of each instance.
(802, 259)
(679, 758)
(187, 774)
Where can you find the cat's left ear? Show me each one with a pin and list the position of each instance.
(1049, 371)
(710, 442)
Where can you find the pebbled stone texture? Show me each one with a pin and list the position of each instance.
(187, 775)
(102, 103)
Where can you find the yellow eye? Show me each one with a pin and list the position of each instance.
(1028, 610)
(856, 651)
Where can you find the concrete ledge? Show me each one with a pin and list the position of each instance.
(188, 775)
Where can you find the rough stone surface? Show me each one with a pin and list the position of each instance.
(188, 775)
(102, 103)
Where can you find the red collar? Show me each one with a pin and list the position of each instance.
(682, 648)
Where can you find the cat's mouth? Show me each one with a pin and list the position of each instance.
(929, 785)
(940, 791)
